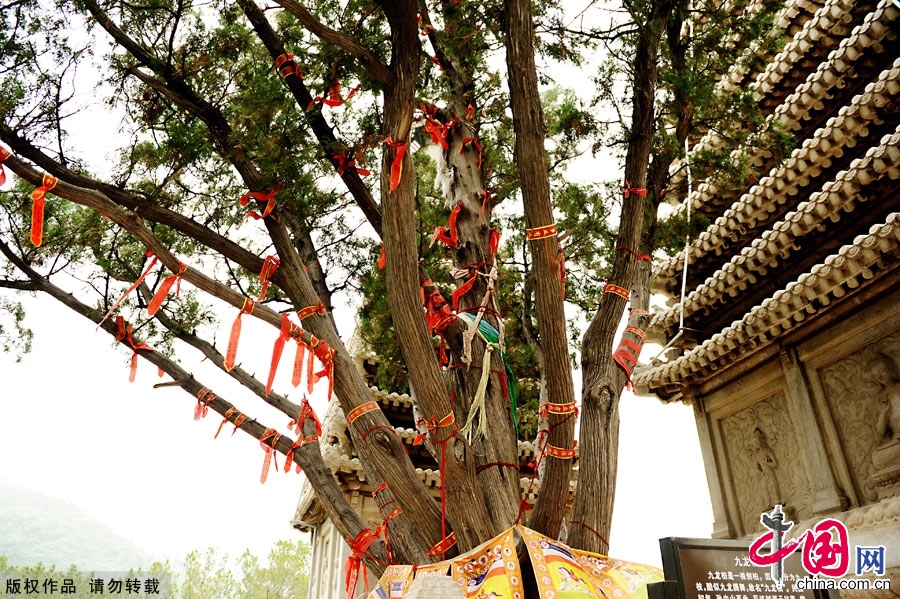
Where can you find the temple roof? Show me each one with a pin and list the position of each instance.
(814, 229)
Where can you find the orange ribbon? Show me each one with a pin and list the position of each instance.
(37, 209)
(228, 414)
(268, 198)
(287, 66)
(298, 360)
(638, 191)
(130, 289)
(345, 161)
(270, 433)
(310, 310)
(163, 290)
(283, 335)
(231, 354)
(4, 154)
(361, 409)
(397, 163)
(326, 357)
(437, 130)
(540, 232)
(620, 291)
(637, 331)
(123, 334)
(626, 356)
(382, 258)
(443, 545)
(559, 452)
(204, 396)
(306, 413)
(441, 232)
(270, 265)
(333, 98)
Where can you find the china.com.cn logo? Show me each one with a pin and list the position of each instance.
(826, 549)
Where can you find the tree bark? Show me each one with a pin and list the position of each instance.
(528, 121)
(604, 379)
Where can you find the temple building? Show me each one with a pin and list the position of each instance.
(787, 339)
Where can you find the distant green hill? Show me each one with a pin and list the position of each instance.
(36, 528)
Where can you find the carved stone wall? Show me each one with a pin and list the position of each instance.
(764, 461)
(853, 392)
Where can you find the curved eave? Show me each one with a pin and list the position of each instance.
(837, 276)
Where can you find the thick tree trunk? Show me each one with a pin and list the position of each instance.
(604, 379)
(528, 121)
(464, 504)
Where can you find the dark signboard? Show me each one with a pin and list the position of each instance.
(719, 569)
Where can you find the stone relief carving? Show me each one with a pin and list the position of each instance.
(764, 459)
(863, 392)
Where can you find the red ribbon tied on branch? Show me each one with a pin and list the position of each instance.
(283, 335)
(397, 163)
(449, 234)
(4, 154)
(123, 334)
(272, 434)
(345, 161)
(37, 208)
(268, 198)
(638, 191)
(437, 130)
(333, 97)
(270, 265)
(355, 564)
(231, 354)
(163, 291)
(287, 66)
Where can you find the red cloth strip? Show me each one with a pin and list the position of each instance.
(359, 410)
(268, 198)
(37, 209)
(559, 452)
(4, 154)
(397, 163)
(310, 310)
(638, 191)
(620, 291)
(333, 97)
(646, 257)
(163, 291)
(451, 239)
(123, 334)
(540, 232)
(283, 334)
(549, 407)
(298, 359)
(637, 331)
(231, 353)
(287, 66)
(638, 312)
(443, 545)
(270, 265)
(269, 448)
(475, 144)
(355, 565)
(228, 413)
(345, 161)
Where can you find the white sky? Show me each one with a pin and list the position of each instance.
(132, 457)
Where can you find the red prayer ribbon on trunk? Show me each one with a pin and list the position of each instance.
(287, 66)
(475, 144)
(638, 191)
(37, 208)
(441, 233)
(397, 163)
(270, 265)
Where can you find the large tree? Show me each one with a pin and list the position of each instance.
(284, 105)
